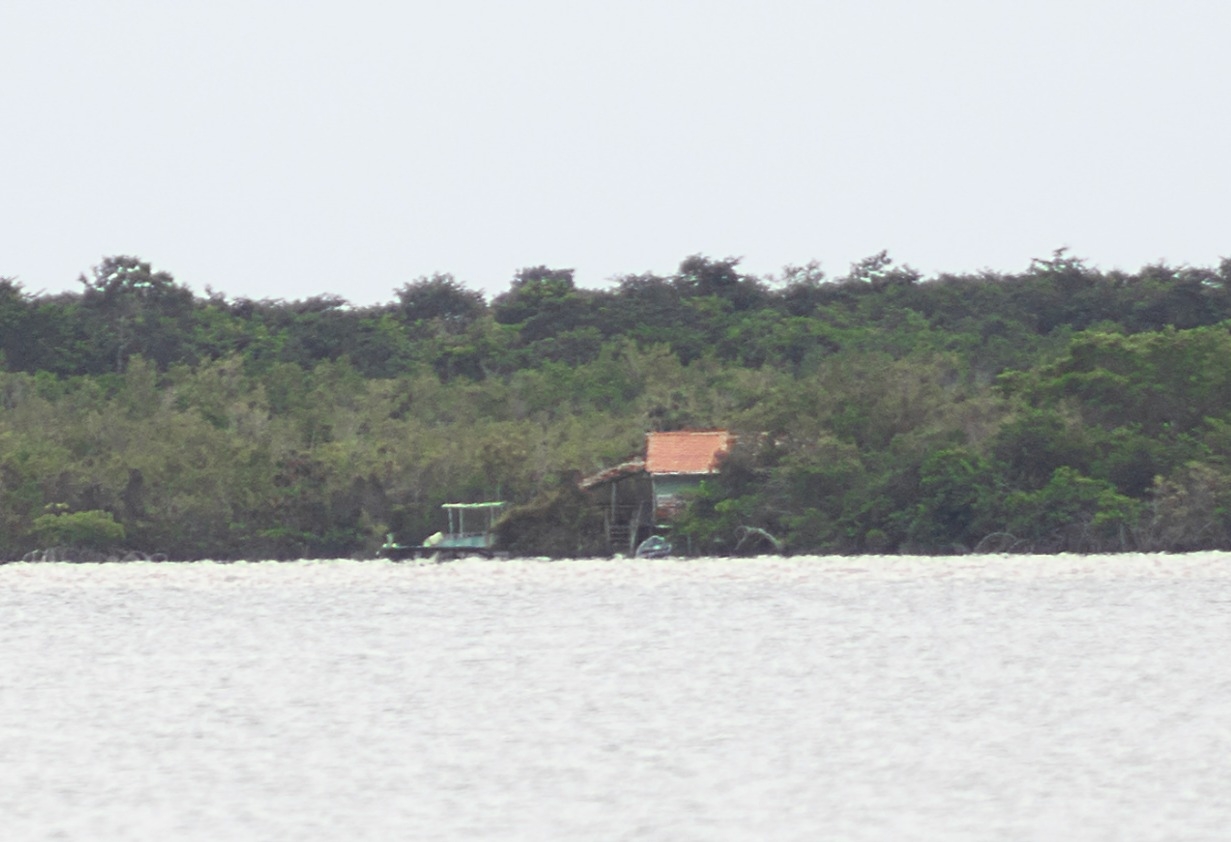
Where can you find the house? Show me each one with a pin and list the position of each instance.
(677, 463)
(645, 493)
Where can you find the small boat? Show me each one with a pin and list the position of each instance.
(462, 539)
(656, 546)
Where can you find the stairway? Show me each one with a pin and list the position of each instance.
(617, 537)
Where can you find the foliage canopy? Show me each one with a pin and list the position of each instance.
(1062, 408)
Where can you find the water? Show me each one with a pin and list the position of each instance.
(1082, 698)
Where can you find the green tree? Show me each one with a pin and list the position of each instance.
(92, 529)
(955, 490)
(441, 301)
(136, 310)
(1073, 513)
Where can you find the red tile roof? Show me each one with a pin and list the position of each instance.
(686, 451)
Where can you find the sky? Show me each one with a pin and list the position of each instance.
(267, 149)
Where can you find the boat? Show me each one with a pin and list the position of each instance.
(656, 546)
(467, 536)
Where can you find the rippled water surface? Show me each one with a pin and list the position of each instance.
(811, 698)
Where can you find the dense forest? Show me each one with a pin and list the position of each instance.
(1060, 409)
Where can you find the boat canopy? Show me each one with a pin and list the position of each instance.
(477, 535)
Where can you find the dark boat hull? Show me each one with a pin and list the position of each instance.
(397, 553)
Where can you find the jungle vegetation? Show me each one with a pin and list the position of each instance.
(1062, 408)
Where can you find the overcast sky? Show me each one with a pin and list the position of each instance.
(289, 149)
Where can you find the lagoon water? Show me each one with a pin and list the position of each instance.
(975, 698)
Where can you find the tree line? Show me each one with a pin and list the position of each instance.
(1062, 408)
